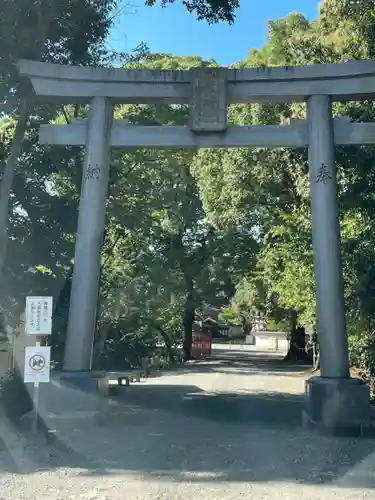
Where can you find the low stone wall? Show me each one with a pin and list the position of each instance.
(275, 341)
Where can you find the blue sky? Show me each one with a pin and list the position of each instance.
(173, 29)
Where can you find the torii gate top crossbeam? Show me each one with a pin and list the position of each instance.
(353, 80)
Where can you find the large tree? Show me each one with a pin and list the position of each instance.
(162, 258)
(185, 261)
(270, 188)
(72, 32)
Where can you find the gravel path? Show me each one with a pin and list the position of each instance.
(223, 430)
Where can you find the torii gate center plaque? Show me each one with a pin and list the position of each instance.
(208, 105)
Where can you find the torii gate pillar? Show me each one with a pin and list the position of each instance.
(91, 221)
(334, 400)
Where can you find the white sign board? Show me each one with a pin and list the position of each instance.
(37, 364)
(38, 317)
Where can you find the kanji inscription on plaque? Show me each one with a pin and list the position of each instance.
(208, 106)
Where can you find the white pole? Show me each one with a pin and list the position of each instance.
(36, 401)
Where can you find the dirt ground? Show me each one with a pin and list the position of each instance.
(227, 428)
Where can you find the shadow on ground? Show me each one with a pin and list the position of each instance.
(256, 438)
(276, 409)
(180, 433)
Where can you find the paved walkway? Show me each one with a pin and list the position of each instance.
(228, 429)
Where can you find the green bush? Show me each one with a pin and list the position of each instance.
(362, 355)
(278, 325)
(357, 345)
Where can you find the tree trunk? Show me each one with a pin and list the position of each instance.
(101, 335)
(188, 323)
(167, 341)
(316, 362)
(293, 328)
(297, 351)
(246, 326)
(9, 170)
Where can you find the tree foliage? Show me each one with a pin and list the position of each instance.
(270, 187)
(48, 30)
(212, 11)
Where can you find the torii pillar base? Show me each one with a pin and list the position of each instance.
(338, 406)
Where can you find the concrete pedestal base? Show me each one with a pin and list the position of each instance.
(337, 406)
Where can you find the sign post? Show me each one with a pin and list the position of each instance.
(38, 322)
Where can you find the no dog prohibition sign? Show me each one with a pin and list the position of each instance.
(37, 362)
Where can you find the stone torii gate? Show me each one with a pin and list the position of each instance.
(334, 399)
